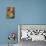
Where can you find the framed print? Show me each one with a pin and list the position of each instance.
(11, 12)
(33, 32)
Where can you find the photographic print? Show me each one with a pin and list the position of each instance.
(31, 33)
(11, 12)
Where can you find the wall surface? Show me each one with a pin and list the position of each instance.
(27, 12)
